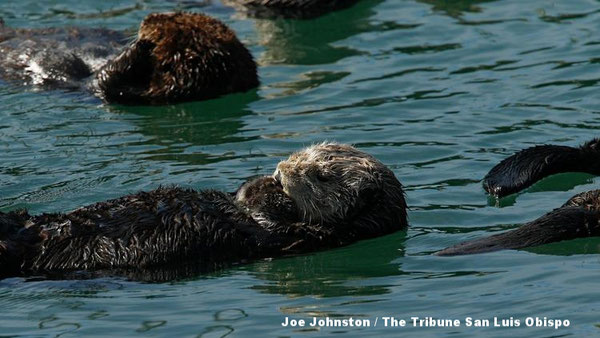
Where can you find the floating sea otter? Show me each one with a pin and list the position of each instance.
(578, 217)
(289, 8)
(175, 57)
(325, 196)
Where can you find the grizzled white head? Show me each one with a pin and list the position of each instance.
(330, 182)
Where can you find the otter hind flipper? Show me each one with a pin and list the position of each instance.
(577, 219)
(530, 165)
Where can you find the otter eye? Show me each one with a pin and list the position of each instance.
(322, 177)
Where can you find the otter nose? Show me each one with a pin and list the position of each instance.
(277, 174)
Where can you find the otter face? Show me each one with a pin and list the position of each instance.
(332, 182)
(178, 57)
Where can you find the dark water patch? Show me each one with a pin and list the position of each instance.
(577, 84)
(427, 48)
(560, 18)
(483, 67)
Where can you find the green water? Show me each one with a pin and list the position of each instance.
(440, 91)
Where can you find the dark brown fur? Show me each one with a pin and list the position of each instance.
(176, 57)
(530, 165)
(166, 227)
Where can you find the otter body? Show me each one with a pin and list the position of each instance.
(160, 227)
(56, 57)
(176, 57)
(166, 227)
(530, 165)
(578, 217)
(185, 230)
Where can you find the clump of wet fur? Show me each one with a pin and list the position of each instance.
(333, 182)
(178, 57)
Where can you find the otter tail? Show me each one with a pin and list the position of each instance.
(528, 166)
(578, 218)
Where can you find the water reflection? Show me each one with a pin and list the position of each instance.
(333, 273)
(176, 131)
(583, 246)
(310, 42)
(455, 8)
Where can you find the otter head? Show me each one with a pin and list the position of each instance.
(266, 202)
(178, 57)
(336, 183)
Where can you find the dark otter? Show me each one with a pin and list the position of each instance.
(55, 57)
(178, 57)
(175, 57)
(301, 9)
(325, 196)
(578, 217)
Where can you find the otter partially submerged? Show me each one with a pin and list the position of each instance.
(175, 57)
(325, 196)
(289, 8)
(578, 217)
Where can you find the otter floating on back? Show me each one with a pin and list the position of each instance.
(325, 196)
(578, 217)
(175, 57)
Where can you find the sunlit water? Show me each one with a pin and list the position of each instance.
(439, 91)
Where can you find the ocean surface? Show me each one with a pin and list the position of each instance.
(440, 91)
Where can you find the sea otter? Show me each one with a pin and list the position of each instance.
(578, 217)
(301, 9)
(324, 196)
(175, 57)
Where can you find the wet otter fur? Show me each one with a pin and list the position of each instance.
(178, 57)
(175, 57)
(528, 166)
(55, 57)
(298, 9)
(578, 217)
(186, 230)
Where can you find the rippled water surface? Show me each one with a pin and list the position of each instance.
(438, 90)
